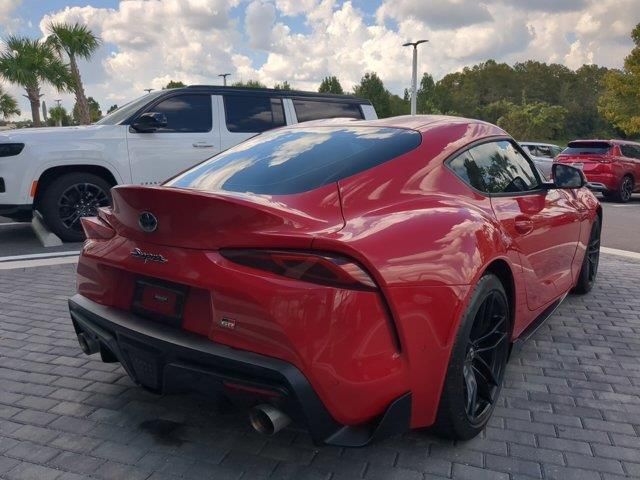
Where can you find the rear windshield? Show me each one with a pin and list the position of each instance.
(593, 148)
(298, 160)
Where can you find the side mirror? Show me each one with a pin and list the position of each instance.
(149, 122)
(567, 177)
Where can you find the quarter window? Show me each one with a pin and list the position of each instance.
(186, 113)
(307, 110)
(253, 114)
(496, 167)
(630, 151)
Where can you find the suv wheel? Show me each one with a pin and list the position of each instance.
(625, 190)
(477, 365)
(70, 197)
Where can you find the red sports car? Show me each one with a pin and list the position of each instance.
(363, 277)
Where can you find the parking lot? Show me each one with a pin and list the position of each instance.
(570, 408)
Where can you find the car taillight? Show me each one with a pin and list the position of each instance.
(323, 268)
(96, 229)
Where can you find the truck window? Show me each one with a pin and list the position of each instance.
(253, 114)
(186, 113)
(307, 110)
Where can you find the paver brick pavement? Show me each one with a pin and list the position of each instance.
(570, 406)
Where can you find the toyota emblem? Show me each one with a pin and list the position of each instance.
(148, 222)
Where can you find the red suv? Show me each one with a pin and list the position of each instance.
(613, 165)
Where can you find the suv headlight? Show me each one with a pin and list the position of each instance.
(10, 149)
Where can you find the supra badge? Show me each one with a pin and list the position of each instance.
(148, 257)
(148, 222)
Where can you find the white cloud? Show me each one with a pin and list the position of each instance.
(146, 44)
(437, 14)
(296, 7)
(8, 22)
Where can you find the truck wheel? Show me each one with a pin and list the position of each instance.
(70, 197)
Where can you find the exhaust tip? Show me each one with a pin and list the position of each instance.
(88, 345)
(267, 419)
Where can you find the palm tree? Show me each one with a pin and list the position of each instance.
(8, 105)
(76, 41)
(29, 63)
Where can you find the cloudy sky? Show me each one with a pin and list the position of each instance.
(146, 43)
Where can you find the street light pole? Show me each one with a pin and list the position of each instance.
(414, 76)
(148, 90)
(59, 121)
(224, 78)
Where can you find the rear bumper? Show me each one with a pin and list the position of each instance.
(164, 359)
(607, 181)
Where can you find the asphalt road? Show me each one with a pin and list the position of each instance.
(621, 225)
(621, 230)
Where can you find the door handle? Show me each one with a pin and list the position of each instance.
(202, 145)
(523, 225)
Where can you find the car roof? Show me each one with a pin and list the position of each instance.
(421, 123)
(540, 144)
(616, 141)
(271, 92)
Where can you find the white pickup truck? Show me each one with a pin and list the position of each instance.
(66, 173)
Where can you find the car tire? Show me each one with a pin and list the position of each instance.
(69, 197)
(624, 191)
(458, 417)
(589, 269)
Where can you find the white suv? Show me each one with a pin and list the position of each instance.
(66, 173)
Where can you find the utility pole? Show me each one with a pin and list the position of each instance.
(414, 76)
(224, 78)
(59, 121)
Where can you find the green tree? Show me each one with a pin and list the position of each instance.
(58, 116)
(425, 101)
(495, 110)
(399, 106)
(535, 121)
(331, 85)
(95, 113)
(8, 105)
(282, 86)
(173, 84)
(372, 88)
(76, 41)
(620, 103)
(112, 108)
(249, 84)
(30, 63)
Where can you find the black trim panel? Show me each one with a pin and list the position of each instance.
(17, 212)
(165, 359)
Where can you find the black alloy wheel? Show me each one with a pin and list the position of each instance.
(80, 200)
(69, 198)
(626, 189)
(477, 364)
(589, 269)
(485, 358)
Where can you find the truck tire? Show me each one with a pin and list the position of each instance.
(69, 197)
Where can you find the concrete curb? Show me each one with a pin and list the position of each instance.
(45, 236)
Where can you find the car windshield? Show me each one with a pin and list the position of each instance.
(294, 160)
(584, 148)
(124, 112)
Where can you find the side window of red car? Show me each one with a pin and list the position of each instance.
(496, 167)
(630, 151)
